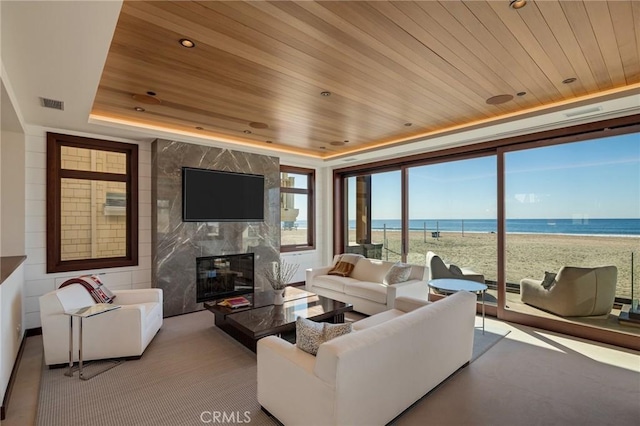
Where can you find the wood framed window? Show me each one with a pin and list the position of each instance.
(92, 203)
(297, 208)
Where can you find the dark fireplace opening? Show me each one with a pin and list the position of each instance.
(222, 276)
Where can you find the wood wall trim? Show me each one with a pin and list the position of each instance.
(404, 185)
(338, 213)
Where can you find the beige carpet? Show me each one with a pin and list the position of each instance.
(191, 369)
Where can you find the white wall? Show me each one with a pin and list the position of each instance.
(37, 281)
(12, 236)
(11, 324)
(325, 232)
(320, 256)
(12, 187)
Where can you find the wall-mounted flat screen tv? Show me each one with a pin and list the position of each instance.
(217, 196)
(224, 276)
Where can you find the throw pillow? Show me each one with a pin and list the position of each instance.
(331, 331)
(398, 273)
(455, 270)
(345, 264)
(549, 280)
(310, 334)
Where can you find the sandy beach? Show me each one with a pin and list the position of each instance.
(528, 255)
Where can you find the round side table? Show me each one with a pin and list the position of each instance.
(453, 285)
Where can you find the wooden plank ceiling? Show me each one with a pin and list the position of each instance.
(395, 69)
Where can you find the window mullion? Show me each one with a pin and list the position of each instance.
(89, 175)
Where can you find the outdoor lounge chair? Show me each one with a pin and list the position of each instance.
(439, 269)
(575, 292)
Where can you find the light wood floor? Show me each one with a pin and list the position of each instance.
(531, 377)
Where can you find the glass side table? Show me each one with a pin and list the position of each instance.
(82, 313)
(452, 285)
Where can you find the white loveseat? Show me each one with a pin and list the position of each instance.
(124, 332)
(364, 288)
(373, 374)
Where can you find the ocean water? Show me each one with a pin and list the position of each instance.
(626, 227)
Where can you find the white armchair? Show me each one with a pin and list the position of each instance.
(125, 332)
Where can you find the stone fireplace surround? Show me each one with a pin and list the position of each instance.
(176, 244)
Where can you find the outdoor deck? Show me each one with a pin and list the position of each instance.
(610, 322)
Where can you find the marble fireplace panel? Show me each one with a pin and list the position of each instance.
(176, 244)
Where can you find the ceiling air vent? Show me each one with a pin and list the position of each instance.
(52, 103)
(583, 112)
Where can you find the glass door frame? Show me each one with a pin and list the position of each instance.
(560, 326)
(341, 217)
(341, 220)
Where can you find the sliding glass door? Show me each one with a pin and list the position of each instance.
(573, 230)
(452, 213)
(374, 215)
(550, 222)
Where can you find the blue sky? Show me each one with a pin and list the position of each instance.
(592, 179)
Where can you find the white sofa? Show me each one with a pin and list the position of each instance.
(124, 332)
(364, 289)
(370, 376)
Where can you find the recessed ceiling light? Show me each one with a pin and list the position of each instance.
(323, 147)
(499, 99)
(151, 93)
(139, 109)
(517, 4)
(199, 128)
(247, 132)
(269, 141)
(569, 80)
(346, 141)
(325, 93)
(185, 42)
(521, 93)
(258, 125)
(408, 124)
